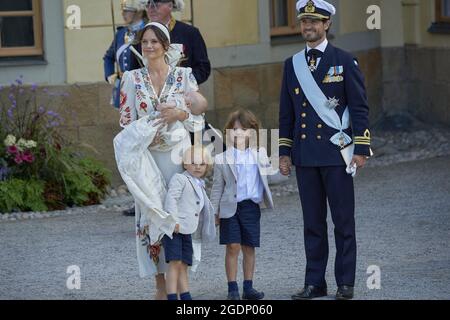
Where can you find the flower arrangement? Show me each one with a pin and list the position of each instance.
(40, 169)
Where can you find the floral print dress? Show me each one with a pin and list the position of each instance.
(138, 103)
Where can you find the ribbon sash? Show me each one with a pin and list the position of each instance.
(319, 101)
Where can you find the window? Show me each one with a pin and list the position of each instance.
(20, 28)
(283, 17)
(443, 11)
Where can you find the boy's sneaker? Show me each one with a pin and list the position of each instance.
(252, 294)
(233, 295)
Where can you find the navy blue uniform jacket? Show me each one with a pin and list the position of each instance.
(303, 135)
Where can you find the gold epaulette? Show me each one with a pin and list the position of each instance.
(284, 142)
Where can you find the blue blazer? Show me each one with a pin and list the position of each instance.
(303, 135)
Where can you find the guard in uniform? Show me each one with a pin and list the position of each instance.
(324, 108)
(119, 53)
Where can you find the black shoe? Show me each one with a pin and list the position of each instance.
(310, 292)
(129, 212)
(252, 294)
(344, 293)
(233, 295)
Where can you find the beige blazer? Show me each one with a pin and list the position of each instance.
(224, 190)
(190, 206)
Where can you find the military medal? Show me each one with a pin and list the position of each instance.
(332, 103)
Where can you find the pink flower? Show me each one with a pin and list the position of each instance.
(18, 159)
(12, 150)
(28, 157)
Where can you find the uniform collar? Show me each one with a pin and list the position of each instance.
(321, 47)
(136, 26)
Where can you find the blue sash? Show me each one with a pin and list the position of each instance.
(320, 103)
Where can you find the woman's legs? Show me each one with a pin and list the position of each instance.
(161, 293)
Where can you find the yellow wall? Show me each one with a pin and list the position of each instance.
(227, 22)
(353, 16)
(222, 23)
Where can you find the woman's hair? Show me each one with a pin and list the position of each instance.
(159, 35)
(248, 120)
(195, 153)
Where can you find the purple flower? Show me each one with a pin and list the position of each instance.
(52, 114)
(41, 109)
(3, 173)
(65, 94)
(10, 114)
(21, 90)
(11, 97)
(54, 124)
(33, 87)
(1, 87)
(45, 90)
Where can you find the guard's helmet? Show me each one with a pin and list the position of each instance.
(133, 5)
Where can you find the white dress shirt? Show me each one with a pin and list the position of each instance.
(201, 184)
(249, 184)
(321, 47)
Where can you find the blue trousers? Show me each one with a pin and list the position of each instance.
(316, 186)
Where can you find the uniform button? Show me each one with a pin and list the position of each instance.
(196, 214)
(124, 58)
(305, 104)
(319, 137)
(303, 136)
(303, 115)
(235, 196)
(198, 202)
(126, 64)
(319, 126)
(303, 126)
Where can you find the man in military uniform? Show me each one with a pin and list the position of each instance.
(323, 105)
(133, 13)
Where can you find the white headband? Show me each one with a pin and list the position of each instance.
(161, 27)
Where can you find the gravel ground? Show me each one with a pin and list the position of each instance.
(403, 227)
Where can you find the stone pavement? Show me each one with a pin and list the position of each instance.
(403, 227)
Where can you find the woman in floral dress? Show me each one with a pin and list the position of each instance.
(160, 105)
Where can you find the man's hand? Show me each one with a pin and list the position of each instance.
(112, 78)
(285, 165)
(177, 229)
(360, 161)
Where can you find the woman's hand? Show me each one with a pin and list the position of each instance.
(170, 115)
(156, 140)
(177, 228)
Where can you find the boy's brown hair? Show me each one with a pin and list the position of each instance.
(247, 119)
